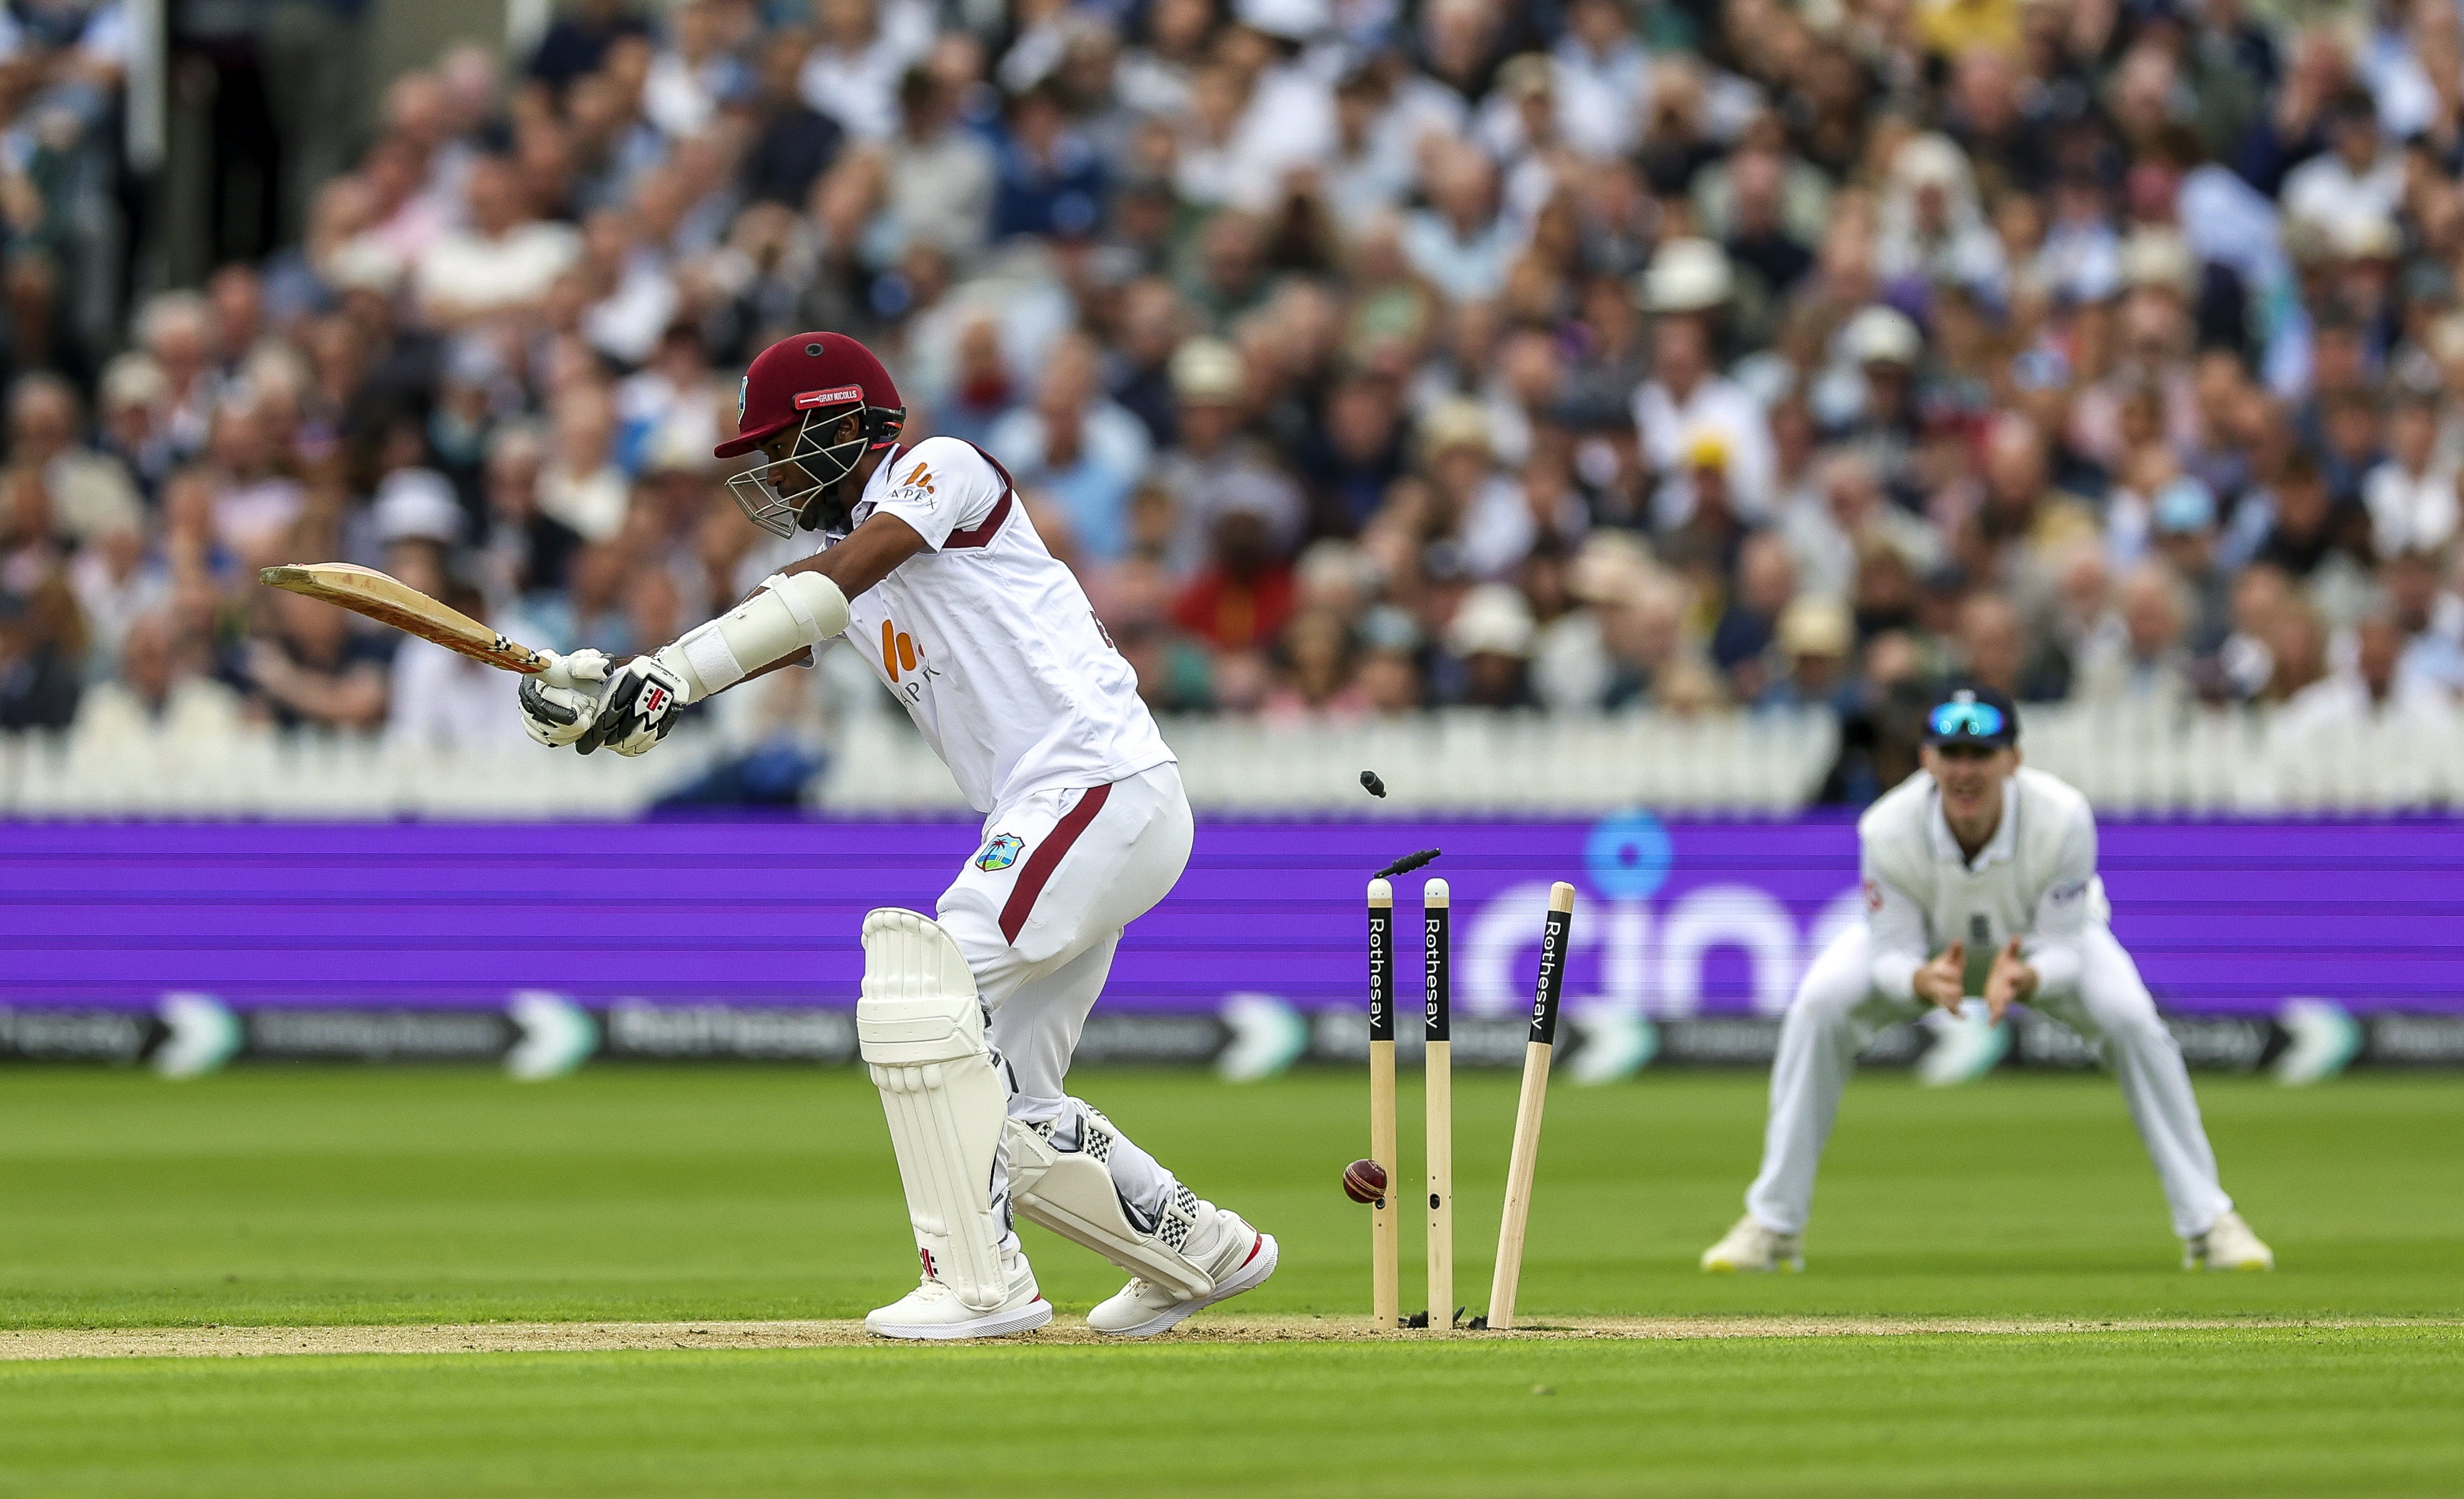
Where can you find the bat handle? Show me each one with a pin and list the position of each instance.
(547, 665)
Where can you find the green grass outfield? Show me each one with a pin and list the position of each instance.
(352, 1196)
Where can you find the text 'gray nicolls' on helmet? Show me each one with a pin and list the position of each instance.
(808, 385)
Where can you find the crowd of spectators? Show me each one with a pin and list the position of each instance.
(1361, 356)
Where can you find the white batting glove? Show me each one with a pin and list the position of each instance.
(560, 703)
(639, 706)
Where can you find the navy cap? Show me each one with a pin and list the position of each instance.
(1968, 713)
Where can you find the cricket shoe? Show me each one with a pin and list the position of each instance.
(934, 1311)
(1751, 1248)
(2228, 1245)
(1233, 1255)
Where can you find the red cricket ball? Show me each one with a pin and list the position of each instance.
(1364, 1181)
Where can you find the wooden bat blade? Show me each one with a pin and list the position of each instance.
(389, 601)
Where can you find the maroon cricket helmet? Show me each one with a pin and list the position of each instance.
(809, 382)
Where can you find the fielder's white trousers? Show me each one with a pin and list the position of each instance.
(1038, 934)
(1836, 1013)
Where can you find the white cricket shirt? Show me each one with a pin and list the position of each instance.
(987, 640)
(2036, 880)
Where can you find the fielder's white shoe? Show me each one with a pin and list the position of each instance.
(1235, 1256)
(934, 1311)
(2228, 1245)
(1750, 1249)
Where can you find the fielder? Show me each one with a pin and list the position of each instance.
(1979, 879)
(929, 565)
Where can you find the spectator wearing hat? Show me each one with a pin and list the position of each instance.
(1216, 466)
(1479, 513)
(1813, 643)
(1881, 349)
(1488, 644)
(1686, 401)
(2182, 534)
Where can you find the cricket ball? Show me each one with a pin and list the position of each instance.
(1364, 1181)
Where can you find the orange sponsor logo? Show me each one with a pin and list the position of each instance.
(898, 654)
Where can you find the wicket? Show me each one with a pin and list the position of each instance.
(1385, 1247)
(1525, 1159)
(1436, 1002)
(1437, 1021)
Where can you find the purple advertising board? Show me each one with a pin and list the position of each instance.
(1677, 918)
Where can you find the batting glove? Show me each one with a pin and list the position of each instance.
(637, 710)
(558, 703)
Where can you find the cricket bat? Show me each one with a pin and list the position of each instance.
(389, 601)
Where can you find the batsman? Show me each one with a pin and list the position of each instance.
(929, 565)
(1979, 879)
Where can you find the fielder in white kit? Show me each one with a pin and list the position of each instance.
(1979, 879)
(932, 568)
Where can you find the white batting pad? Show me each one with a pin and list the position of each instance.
(921, 1031)
(1071, 1193)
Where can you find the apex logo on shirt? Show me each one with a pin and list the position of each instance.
(1001, 852)
(917, 485)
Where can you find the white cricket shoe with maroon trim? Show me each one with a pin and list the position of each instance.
(934, 1311)
(1235, 1257)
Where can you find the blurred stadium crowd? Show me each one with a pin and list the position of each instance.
(1361, 356)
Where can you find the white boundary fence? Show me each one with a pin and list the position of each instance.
(2125, 759)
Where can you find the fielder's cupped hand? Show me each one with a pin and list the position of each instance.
(2011, 981)
(558, 704)
(1943, 981)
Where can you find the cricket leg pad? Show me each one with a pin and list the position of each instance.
(920, 1029)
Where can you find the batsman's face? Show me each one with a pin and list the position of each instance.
(1970, 777)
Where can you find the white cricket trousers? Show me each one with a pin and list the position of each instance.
(1038, 934)
(1836, 1013)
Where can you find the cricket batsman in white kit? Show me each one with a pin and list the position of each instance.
(1979, 879)
(929, 564)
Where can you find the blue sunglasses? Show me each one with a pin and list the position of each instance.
(1965, 721)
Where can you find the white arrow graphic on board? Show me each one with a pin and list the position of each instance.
(2324, 1037)
(204, 1034)
(556, 1035)
(1267, 1036)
